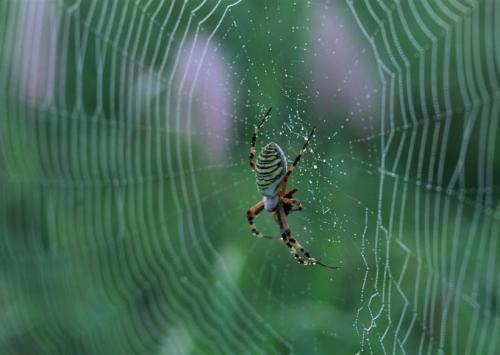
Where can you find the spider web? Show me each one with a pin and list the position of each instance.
(124, 135)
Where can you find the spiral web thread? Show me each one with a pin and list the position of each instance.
(432, 55)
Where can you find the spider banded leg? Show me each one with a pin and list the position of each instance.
(293, 244)
(311, 260)
(291, 205)
(254, 139)
(294, 204)
(286, 236)
(290, 193)
(297, 159)
(251, 214)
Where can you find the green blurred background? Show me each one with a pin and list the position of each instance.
(124, 135)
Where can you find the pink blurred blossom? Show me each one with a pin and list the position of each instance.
(345, 78)
(211, 98)
(34, 64)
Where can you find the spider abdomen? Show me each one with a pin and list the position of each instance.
(270, 168)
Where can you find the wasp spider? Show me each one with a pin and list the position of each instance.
(272, 177)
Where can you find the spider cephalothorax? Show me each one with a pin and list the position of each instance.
(272, 173)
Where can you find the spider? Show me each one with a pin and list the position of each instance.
(272, 177)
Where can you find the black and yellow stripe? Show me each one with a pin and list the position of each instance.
(270, 168)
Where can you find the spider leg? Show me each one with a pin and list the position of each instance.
(254, 139)
(251, 214)
(293, 244)
(291, 205)
(296, 161)
(290, 193)
(286, 236)
(312, 260)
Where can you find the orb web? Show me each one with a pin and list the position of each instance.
(124, 177)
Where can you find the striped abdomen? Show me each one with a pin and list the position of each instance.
(270, 168)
